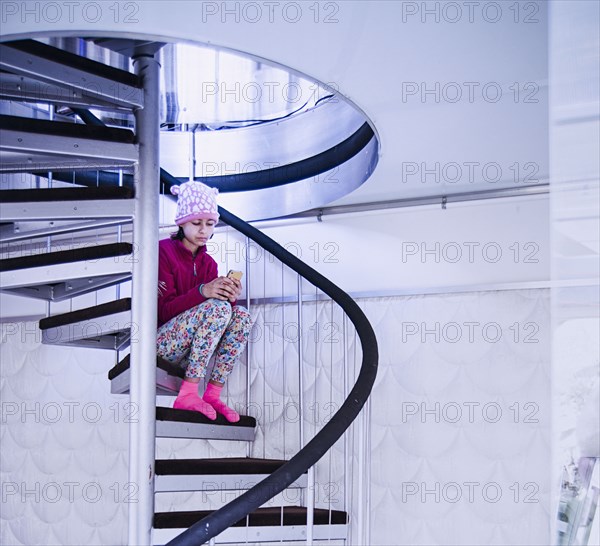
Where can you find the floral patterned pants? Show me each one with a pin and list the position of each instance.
(213, 327)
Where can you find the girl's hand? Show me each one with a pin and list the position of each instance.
(223, 289)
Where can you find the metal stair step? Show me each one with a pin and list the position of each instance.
(105, 326)
(230, 473)
(28, 145)
(68, 79)
(168, 377)
(66, 203)
(263, 525)
(56, 276)
(75, 193)
(175, 423)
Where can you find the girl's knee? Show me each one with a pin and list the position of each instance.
(216, 308)
(221, 313)
(242, 317)
(242, 313)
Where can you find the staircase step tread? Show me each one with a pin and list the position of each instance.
(65, 129)
(169, 367)
(67, 256)
(221, 466)
(76, 193)
(117, 306)
(292, 515)
(77, 61)
(185, 416)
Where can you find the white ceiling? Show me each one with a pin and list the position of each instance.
(377, 54)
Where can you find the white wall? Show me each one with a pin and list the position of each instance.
(417, 248)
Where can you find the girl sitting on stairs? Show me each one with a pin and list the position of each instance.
(197, 311)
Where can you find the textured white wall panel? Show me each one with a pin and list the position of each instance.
(64, 444)
(422, 454)
(461, 426)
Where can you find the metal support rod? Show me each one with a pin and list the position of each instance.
(144, 304)
(300, 359)
(360, 531)
(347, 481)
(119, 235)
(367, 413)
(248, 346)
(310, 506)
(49, 238)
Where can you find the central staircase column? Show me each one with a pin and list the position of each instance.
(144, 302)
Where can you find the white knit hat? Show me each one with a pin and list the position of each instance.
(195, 201)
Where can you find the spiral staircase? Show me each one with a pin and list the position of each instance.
(54, 148)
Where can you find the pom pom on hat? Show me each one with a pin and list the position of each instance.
(195, 201)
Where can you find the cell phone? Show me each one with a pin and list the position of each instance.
(237, 275)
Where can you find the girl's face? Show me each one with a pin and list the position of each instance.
(197, 232)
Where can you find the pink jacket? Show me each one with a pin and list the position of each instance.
(179, 276)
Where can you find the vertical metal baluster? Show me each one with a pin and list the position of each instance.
(192, 154)
(330, 454)
(361, 484)
(49, 238)
(97, 185)
(264, 360)
(310, 497)
(360, 470)
(120, 237)
(346, 465)
(249, 345)
(300, 358)
(310, 506)
(283, 374)
(368, 471)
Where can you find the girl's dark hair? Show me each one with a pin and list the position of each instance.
(178, 234)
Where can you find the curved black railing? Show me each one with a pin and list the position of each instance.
(279, 480)
(225, 517)
(308, 168)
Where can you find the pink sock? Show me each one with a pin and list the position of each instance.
(212, 396)
(188, 399)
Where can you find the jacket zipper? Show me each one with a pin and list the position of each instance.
(194, 269)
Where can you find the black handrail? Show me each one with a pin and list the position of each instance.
(221, 519)
(310, 167)
(225, 517)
